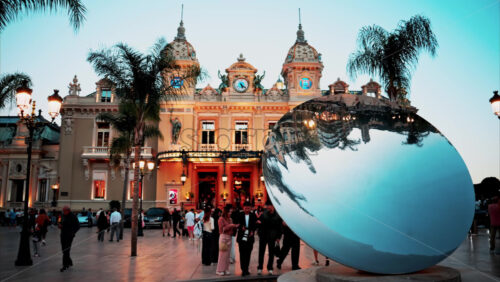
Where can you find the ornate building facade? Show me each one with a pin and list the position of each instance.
(213, 137)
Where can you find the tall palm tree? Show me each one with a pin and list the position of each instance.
(392, 55)
(12, 9)
(8, 85)
(140, 86)
(122, 146)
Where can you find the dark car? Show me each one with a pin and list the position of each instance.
(127, 218)
(154, 217)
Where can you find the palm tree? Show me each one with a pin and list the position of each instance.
(8, 85)
(11, 10)
(122, 146)
(392, 55)
(140, 86)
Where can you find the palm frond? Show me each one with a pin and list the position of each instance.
(8, 85)
(12, 9)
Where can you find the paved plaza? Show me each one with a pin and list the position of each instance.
(168, 259)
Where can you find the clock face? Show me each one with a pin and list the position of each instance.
(305, 83)
(240, 85)
(176, 82)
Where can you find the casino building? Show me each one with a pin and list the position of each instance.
(213, 137)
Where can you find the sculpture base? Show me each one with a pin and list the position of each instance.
(339, 273)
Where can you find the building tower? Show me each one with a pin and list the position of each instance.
(184, 55)
(302, 69)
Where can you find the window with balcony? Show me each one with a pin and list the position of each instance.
(106, 95)
(241, 132)
(208, 132)
(99, 185)
(103, 133)
(42, 190)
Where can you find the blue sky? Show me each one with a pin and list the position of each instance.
(451, 90)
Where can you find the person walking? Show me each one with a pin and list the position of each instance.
(102, 225)
(190, 224)
(245, 238)
(176, 217)
(42, 222)
(114, 222)
(316, 261)
(269, 235)
(290, 240)
(208, 227)
(69, 226)
(494, 212)
(166, 222)
(226, 229)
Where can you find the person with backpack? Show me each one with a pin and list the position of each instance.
(69, 226)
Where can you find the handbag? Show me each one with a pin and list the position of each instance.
(223, 247)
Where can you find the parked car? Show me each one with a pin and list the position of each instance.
(83, 219)
(127, 218)
(154, 217)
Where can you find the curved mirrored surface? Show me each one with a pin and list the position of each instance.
(372, 187)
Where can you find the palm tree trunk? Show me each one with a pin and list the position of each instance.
(124, 193)
(135, 202)
(391, 91)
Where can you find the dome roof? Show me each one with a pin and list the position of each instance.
(180, 48)
(301, 51)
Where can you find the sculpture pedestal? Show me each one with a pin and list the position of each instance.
(339, 273)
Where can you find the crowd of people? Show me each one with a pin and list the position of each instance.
(221, 231)
(218, 231)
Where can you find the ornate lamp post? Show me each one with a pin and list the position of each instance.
(32, 122)
(55, 188)
(495, 103)
(144, 167)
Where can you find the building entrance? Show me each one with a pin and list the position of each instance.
(241, 187)
(206, 189)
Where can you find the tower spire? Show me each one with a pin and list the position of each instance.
(300, 32)
(181, 31)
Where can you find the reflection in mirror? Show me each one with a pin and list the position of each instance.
(368, 184)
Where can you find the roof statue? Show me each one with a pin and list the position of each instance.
(74, 87)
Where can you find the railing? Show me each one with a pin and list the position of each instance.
(239, 147)
(208, 147)
(91, 152)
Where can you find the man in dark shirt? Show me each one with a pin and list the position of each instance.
(269, 234)
(290, 240)
(69, 226)
(245, 238)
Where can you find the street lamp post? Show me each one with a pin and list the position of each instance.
(144, 167)
(32, 122)
(55, 188)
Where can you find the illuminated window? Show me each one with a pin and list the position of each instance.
(241, 132)
(106, 95)
(208, 132)
(131, 186)
(99, 184)
(103, 133)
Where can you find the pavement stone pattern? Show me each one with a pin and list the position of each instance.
(168, 259)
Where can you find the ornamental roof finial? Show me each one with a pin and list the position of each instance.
(300, 32)
(181, 31)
